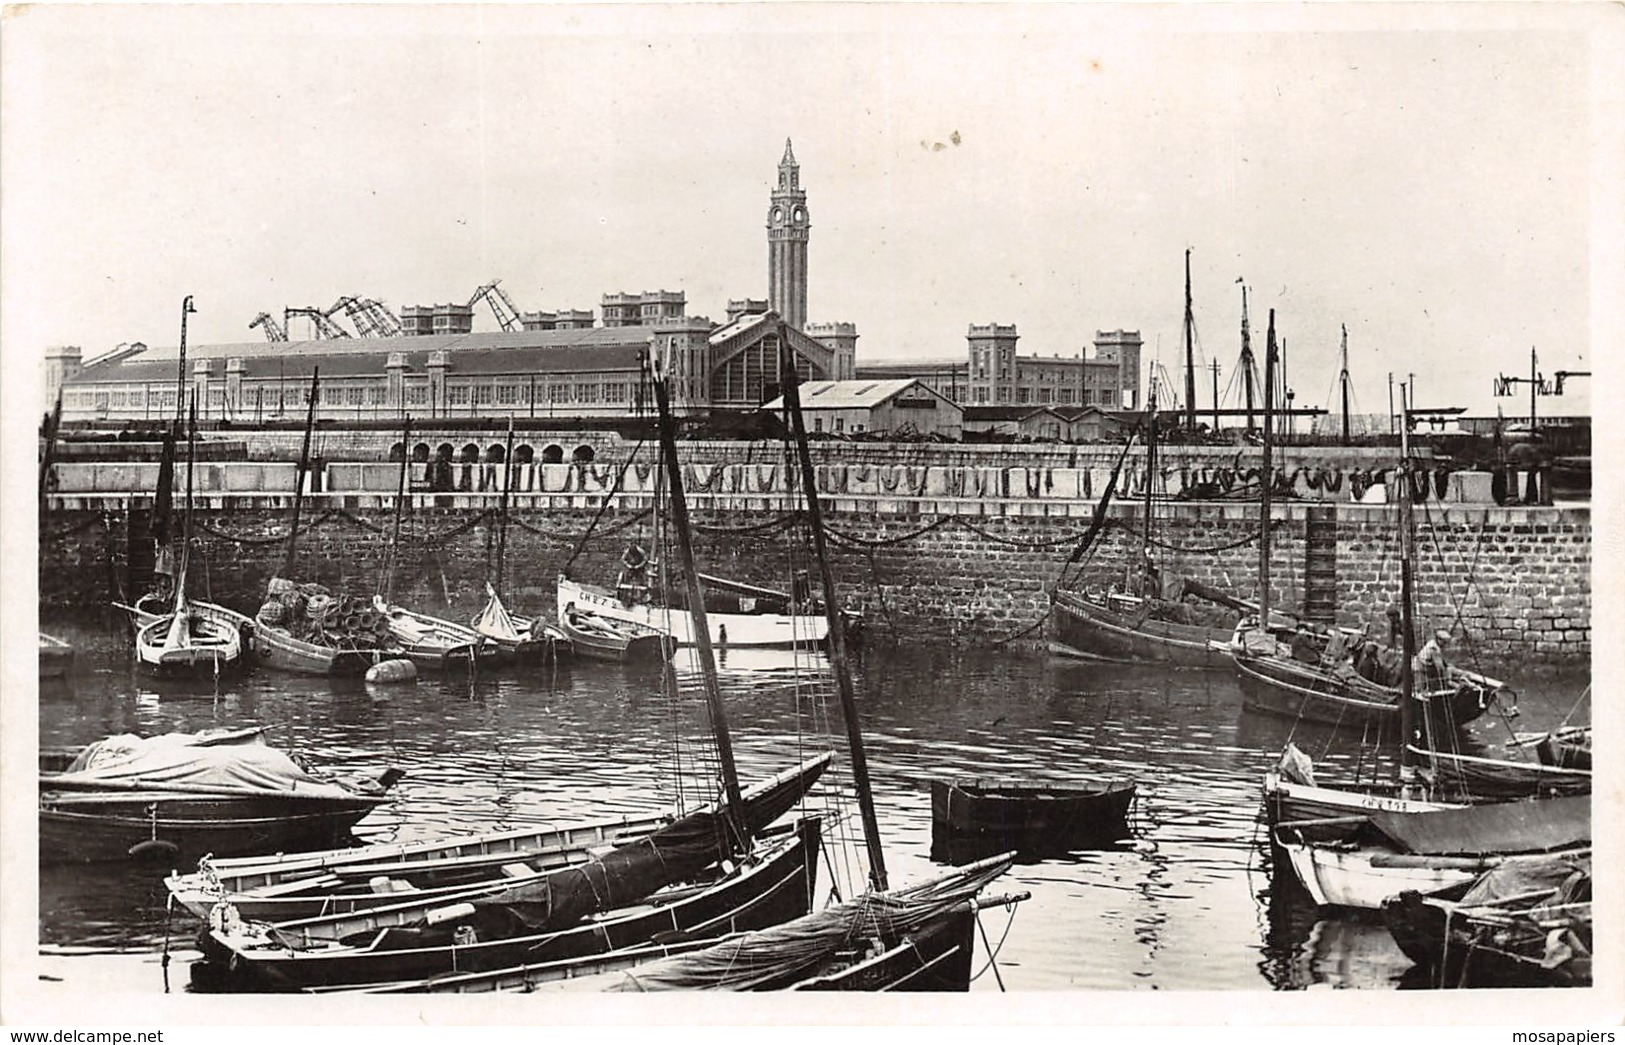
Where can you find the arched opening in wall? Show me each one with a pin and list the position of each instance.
(553, 453)
(397, 451)
(444, 452)
(471, 453)
(420, 453)
(524, 453)
(582, 455)
(495, 453)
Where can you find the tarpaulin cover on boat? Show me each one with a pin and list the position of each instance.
(235, 760)
(1502, 827)
(1569, 875)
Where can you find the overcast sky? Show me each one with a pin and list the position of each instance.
(1426, 179)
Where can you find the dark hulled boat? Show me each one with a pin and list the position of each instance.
(1031, 813)
(181, 796)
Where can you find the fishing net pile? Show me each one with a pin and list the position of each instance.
(311, 612)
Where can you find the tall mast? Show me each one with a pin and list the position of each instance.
(1214, 366)
(1343, 380)
(1150, 465)
(701, 626)
(53, 424)
(1190, 354)
(180, 378)
(386, 583)
(1265, 474)
(832, 612)
(1407, 679)
(303, 470)
(1246, 358)
(502, 526)
(186, 529)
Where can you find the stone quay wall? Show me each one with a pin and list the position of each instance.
(966, 554)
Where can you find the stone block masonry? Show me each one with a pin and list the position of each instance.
(949, 563)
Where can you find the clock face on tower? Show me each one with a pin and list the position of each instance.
(801, 215)
(777, 216)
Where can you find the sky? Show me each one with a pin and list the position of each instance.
(1426, 176)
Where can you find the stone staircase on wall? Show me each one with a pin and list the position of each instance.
(1320, 564)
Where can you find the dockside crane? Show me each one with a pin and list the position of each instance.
(1538, 384)
(501, 305)
(371, 317)
(273, 330)
(326, 329)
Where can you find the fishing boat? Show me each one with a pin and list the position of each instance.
(319, 890)
(1146, 617)
(1025, 813)
(519, 638)
(188, 641)
(1339, 676)
(180, 796)
(606, 638)
(524, 639)
(622, 898)
(1293, 793)
(1387, 853)
(1498, 779)
(1566, 748)
(753, 617)
(55, 656)
(1527, 922)
(304, 629)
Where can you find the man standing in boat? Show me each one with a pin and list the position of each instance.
(633, 585)
(1429, 665)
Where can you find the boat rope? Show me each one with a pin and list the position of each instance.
(992, 951)
(169, 910)
(603, 506)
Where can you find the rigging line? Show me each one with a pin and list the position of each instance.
(603, 507)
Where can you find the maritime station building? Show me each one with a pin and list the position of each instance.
(563, 366)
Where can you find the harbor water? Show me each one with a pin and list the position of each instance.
(1189, 903)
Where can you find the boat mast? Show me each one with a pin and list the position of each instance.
(1215, 367)
(186, 530)
(1264, 476)
(1407, 624)
(502, 525)
(386, 583)
(1343, 381)
(832, 612)
(180, 378)
(696, 608)
(1190, 352)
(1150, 468)
(303, 470)
(1246, 358)
(52, 424)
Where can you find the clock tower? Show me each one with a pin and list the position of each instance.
(787, 229)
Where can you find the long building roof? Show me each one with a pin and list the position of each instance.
(529, 352)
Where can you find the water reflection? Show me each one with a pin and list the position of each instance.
(1188, 903)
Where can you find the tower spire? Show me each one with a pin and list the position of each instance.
(788, 228)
